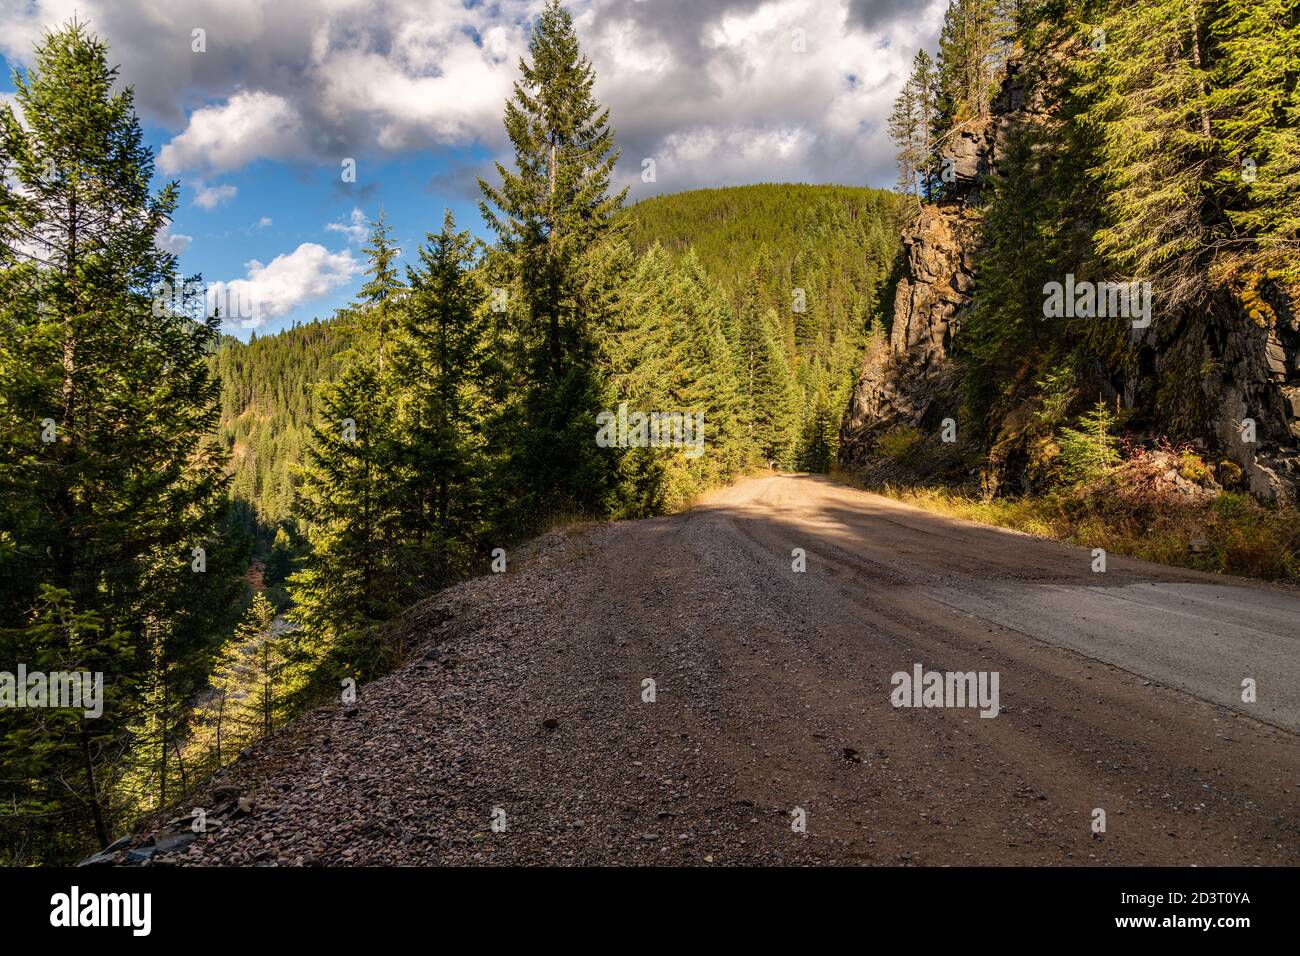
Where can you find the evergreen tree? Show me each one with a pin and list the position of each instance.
(702, 378)
(1017, 255)
(1089, 451)
(249, 682)
(905, 131)
(382, 288)
(47, 780)
(641, 357)
(671, 355)
(349, 579)
(1255, 102)
(821, 439)
(912, 124)
(924, 83)
(769, 404)
(969, 44)
(440, 410)
(1149, 108)
(279, 564)
(108, 479)
(551, 214)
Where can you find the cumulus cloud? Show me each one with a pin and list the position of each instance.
(210, 197)
(314, 80)
(264, 222)
(752, 90)
(356, 228)
(702, 86)
(231, 135)
(173, 242)
(278, 287)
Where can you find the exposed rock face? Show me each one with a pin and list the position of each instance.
(910, 380)
(902, 379)
(940, 279)
(1249, 385)
(1249, 371)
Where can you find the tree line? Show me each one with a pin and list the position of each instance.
(756, 243)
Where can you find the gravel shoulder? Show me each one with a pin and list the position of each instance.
(523, 701)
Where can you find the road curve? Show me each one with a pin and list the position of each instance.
(1201, 633)
(768, 734)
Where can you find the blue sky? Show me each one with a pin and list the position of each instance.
(256, 123)
(277, 206)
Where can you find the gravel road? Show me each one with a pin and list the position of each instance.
(524, 703)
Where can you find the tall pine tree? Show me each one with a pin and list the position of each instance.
(436, 376)
(349, 580)
(1149, 107)
(111, 490)
(552, 213)
(1256, 108)
(769, 402)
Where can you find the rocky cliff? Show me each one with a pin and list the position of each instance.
(909, 377)
(1234, 375)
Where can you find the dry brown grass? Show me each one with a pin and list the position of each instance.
(1225, 533)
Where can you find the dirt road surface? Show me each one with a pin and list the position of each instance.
(524, 704)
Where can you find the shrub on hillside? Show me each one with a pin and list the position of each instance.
(900, 442)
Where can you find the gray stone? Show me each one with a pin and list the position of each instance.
(171, 842)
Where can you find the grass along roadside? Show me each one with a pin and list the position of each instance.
(1224, 533)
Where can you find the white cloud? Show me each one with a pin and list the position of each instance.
(210, 197)
(696, 84)
(356, 228)
(264, 222)
(278, 287)
(246, 127)
(173, 242)
(730, 154)
(754, 90)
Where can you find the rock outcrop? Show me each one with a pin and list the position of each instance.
(1252, 383)
(1237, 378)
(910, 379)
(903, 378)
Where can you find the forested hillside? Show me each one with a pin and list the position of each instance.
(765, 240)
(834, 244)
(267, 402)
(1101, 298)
(816, 257)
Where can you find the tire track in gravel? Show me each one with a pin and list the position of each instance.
(772, 692)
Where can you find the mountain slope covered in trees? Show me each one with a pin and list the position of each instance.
(1100, 304)
(757, 243)
(816, 259)
(267, 402)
